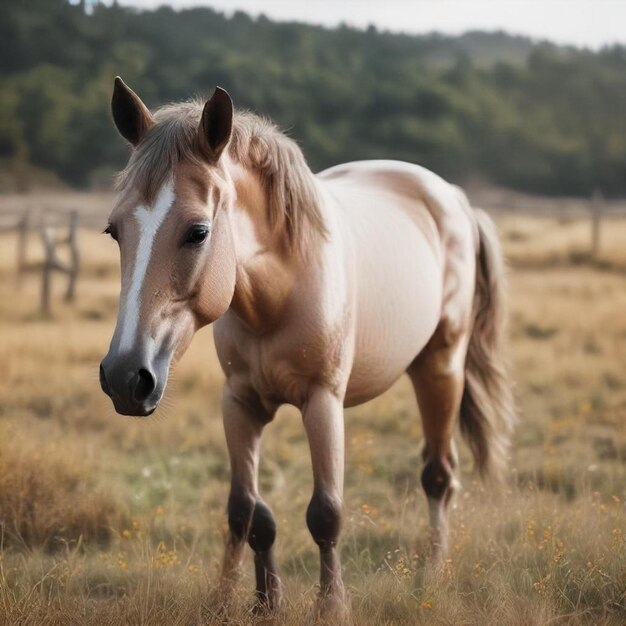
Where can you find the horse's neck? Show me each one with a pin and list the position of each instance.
(266, 272)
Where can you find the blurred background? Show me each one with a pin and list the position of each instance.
(105, 519)
(504, 109)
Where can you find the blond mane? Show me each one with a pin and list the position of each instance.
(256, 143)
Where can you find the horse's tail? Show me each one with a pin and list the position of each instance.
(487, 410)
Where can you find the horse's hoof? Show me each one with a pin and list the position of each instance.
(220, 605)
(331, 609)
(267, 606)
(266, 616)
(435, 559)
(270, 601)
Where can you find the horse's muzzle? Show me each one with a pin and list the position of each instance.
(133, 388)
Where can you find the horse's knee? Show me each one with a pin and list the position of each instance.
(437, 478)
(240, 509)
(323, 517)
(250, 519)
(262, 529)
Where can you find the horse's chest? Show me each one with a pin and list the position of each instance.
(281, 369)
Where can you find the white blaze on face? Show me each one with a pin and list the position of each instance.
(148, 221)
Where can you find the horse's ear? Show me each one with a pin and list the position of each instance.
(216, 125)
(130, 114)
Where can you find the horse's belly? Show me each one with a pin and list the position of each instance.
(399, 295)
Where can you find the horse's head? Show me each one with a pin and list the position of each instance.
(171, 222)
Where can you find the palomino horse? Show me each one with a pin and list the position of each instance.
(324, 290)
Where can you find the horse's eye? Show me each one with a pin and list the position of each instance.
(110, 230)
(197, 234)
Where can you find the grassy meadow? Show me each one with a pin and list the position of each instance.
(113, 520)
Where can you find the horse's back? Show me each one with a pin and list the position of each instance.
(398, 218)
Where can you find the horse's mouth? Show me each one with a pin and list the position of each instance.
(139, 414)
(134, 394)
(135, 411)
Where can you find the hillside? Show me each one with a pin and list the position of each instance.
(482, 106)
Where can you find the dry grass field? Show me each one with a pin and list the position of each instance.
(111, 520)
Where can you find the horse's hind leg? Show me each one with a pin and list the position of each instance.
(438, 379)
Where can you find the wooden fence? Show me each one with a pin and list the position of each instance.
(51, 241)
(596, 209)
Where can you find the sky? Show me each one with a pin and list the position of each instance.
(584, 23)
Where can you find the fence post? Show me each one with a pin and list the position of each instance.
(596, 207)
(47, 269)
(70, 294)
(21, 247)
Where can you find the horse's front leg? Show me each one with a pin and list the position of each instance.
(323, 421)
(249, 518)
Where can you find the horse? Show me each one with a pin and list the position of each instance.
(323, 290)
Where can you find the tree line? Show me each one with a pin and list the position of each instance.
(484, 106)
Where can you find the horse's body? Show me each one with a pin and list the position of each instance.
(373, 293)
(324, 291)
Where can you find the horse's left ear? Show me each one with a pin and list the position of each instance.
(216, 125)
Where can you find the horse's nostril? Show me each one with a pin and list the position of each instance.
(103, 381)
(143, 384)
